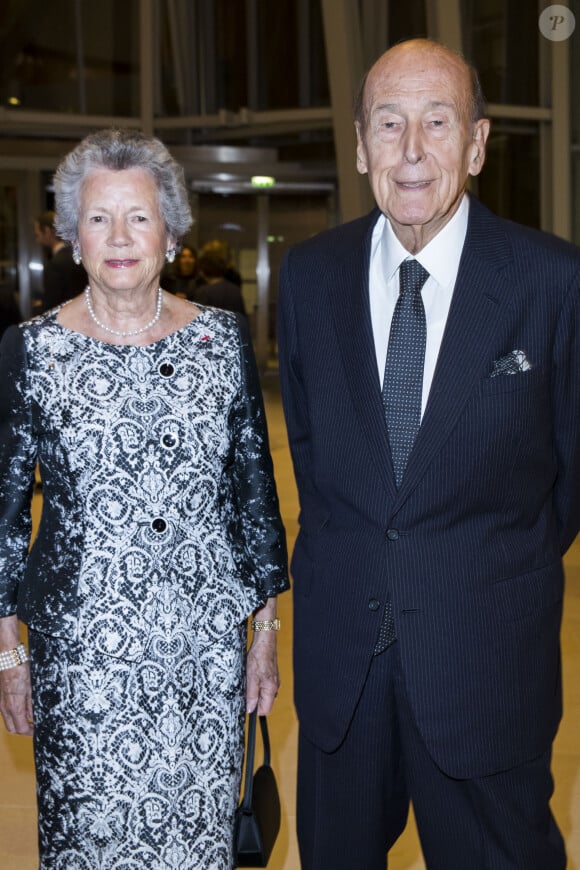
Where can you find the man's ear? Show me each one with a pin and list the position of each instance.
(361, 151)
(480, 133)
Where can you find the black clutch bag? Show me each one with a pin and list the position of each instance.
(258, 816)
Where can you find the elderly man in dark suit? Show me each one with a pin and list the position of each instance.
(430, 368)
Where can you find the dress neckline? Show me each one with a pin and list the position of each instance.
(203, 310)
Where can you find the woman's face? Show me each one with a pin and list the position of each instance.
(186, 262)
(122, 235)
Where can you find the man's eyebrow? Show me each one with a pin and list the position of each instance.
(441, 104)
(389, 107)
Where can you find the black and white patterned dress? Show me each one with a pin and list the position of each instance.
(160, 533)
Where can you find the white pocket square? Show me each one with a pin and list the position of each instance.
(511, 364)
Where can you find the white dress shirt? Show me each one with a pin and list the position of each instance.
(441, 259)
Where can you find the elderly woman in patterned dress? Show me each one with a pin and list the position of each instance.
(160, 534)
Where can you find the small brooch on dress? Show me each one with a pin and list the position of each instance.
(205, 338)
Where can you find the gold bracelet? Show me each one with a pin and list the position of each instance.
(11, 658)
(265, 624)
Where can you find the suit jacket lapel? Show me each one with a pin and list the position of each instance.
(348, 290)
(477, 311)
(481, 296)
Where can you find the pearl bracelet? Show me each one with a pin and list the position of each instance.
(265, 624)
(11, 658)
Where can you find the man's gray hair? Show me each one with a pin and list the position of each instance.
(117, 149)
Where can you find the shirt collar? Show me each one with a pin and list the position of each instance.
(440, 257)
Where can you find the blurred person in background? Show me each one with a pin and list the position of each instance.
(183, 277)
(9, 311)
(63, 277)
(220, 248)
(217, 289)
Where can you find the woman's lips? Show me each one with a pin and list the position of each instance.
(121, 264)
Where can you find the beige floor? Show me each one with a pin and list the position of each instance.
(17, 813)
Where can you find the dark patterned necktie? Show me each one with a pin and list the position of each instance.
(403, 390)
(403, 383)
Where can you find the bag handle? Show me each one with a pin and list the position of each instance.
(246, 805)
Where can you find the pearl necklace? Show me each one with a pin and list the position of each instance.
(117, 332)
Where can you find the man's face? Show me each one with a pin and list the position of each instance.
(43, 235)
(418, 144)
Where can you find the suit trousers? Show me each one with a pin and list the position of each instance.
(353, 803)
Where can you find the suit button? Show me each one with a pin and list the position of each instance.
(374, 604)
(392, 534)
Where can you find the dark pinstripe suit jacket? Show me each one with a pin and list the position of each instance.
(470, 546)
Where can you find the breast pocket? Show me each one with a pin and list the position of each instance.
(532, 379)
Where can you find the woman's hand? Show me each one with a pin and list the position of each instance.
(15, 692)
(262, 677)
(16, 699)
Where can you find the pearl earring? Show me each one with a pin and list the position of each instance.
(170, 255)
(77, 254)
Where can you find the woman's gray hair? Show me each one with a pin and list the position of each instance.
(121, 149)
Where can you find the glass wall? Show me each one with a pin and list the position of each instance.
(234, 219)
(234, 54)
(406, 20)
(70, 56)
(510, 182)
(501, 38)
(219, 68)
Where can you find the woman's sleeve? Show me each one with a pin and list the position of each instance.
(259, 522)
(17, 465)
